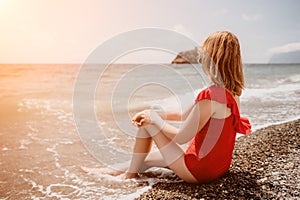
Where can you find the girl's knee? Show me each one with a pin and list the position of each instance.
(142, 133)
(152, 130)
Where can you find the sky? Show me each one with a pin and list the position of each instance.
(67, 31)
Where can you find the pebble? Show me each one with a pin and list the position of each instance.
(262, 180)
(275, 173)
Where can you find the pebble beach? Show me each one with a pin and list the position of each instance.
(265, 165)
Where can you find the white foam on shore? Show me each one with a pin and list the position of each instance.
(59, 108)
(23, 144)
(26, 170)
(5, 149)
(276, 123)
(131, 196)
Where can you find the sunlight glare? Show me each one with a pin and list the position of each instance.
(4, 5)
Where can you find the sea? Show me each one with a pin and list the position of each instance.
(56, 118)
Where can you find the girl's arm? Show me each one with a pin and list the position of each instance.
(175, 115)
(196, 119)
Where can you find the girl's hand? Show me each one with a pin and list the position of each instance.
(142, 118)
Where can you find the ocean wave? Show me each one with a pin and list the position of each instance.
(292, 79)
(279, 92)
(59, 108)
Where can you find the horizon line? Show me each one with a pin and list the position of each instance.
(133, 63)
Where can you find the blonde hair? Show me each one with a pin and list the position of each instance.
(221, 60)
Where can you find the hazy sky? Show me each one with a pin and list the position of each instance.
(67, 31)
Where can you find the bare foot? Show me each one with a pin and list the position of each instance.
(105, 170)
(128, 175)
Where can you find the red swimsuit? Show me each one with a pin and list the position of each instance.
(210, 152)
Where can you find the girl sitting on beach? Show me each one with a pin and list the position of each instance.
(210, 125)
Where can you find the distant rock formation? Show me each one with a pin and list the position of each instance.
(289, 57)
(186, 57)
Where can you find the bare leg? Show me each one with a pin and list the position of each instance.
(141, 149)
(154, 159)
(171, 152)
(172, 155)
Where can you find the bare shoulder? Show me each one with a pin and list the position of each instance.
(205, 106)
(220, 110)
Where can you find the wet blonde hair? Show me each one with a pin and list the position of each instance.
(221, 60)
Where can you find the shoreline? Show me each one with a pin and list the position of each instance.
(265, 165)
(275, 123)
